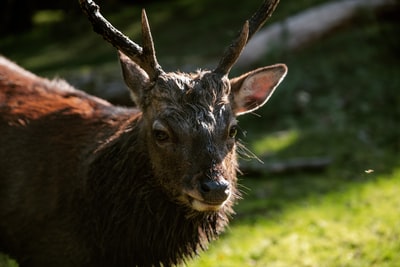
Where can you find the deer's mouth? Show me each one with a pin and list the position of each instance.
(197, 202)
(202, 205)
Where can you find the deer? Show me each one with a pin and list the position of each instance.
(87, 183)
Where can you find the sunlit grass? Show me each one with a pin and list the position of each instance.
(358, 226)
(275, 142)
(48, 16)
(5, 261)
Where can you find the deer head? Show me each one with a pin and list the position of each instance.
(189, 120)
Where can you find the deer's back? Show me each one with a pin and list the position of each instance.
(38, 115)
(48, 131)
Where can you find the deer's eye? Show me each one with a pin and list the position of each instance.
(160, 136)
(233, 131)
(160, 132)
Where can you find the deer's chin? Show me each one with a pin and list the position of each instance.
(204, 206)
(196, 202)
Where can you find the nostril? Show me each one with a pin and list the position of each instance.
(205, 187)
(215, 191)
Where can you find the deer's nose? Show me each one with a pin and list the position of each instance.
(215, 192)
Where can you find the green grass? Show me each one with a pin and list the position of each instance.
(340, 100)
(355, 226)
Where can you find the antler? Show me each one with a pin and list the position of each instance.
(145, 57)
(250, 27)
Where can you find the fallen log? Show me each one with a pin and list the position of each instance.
(309, 164)
(305, 27)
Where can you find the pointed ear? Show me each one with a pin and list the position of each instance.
(134, 76)
(253, 89)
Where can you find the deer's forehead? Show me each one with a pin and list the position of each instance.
(203, 86)
(203, 93)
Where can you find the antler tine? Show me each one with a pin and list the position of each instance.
(144, 57)
(254, 24)
(261, 16)
(232, 53)
(148, 48)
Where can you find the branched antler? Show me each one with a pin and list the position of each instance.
(145, 57)
(252, 25)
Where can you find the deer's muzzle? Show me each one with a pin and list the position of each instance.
(215, 191)
(210, 195)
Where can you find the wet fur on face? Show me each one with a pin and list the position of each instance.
(195, 112)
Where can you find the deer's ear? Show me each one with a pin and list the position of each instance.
(253, 89)
(134, 76)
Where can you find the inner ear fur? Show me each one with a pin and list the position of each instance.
(252, 90)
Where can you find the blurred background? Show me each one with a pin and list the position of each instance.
(328, 191)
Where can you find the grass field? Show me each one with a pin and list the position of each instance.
(354, 226)
(340, 100)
